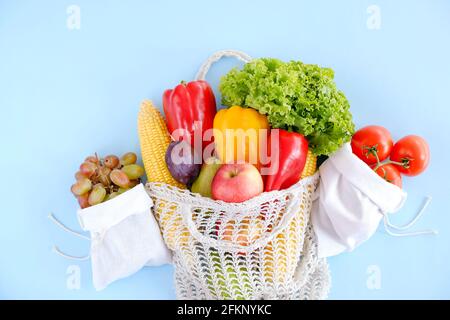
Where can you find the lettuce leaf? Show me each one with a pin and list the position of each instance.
(294, 96)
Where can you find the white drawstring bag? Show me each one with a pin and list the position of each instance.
(124, 237)
(350, 203)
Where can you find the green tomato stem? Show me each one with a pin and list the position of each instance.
(397, 163)
(402, 164)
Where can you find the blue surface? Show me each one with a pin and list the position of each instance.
(65, 94)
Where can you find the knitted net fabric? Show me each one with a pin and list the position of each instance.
(261, 249)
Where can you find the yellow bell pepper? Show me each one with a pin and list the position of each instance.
(237, 136)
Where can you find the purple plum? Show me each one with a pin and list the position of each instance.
(182, 161)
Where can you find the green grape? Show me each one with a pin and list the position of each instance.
(111, 196)
(111, 161)
(133, 171)
(81, 187)
(119, 178)
(128, 158)
(122, 190)
(97, 195)
(88, 169)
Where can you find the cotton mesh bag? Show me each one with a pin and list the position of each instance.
(263, 248)
(251, 250)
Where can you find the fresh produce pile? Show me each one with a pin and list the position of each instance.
(278, 119)
(409, 156)
(228, 175)
(102, 179)
(296, 106)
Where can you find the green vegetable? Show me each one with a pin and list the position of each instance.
(294, 96)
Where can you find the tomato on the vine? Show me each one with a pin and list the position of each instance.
(411, 155)
(390, 173)
(371, 142)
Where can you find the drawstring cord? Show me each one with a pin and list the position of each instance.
(56, 250)
(68, 256)
(388, 225)
(52, 217)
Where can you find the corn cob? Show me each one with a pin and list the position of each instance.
(154, 139)
(310, 165)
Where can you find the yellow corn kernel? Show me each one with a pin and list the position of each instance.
(310, 165)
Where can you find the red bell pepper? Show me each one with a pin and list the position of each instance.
(188, 103)
(289, 157)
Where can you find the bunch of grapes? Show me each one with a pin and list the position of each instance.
(102, 179)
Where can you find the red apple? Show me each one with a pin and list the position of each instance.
(236, 183)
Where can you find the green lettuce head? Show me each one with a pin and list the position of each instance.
(294, 96)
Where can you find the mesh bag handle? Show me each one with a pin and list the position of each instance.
(201, 74)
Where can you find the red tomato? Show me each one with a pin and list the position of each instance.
(413, 155)
(370, 140)
(391, 174)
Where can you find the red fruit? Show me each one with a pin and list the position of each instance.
(92, 159)
(81, 187)
(412, 155)
(236, 183)
(79, 175)
(83, 200)
(119, 178)
(88, 169)
(111, 162)
(371, 140)
(390, 173)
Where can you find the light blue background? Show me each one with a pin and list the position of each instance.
(65, 94)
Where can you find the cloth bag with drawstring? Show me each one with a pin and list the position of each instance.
(124, 236)
(351, 200)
